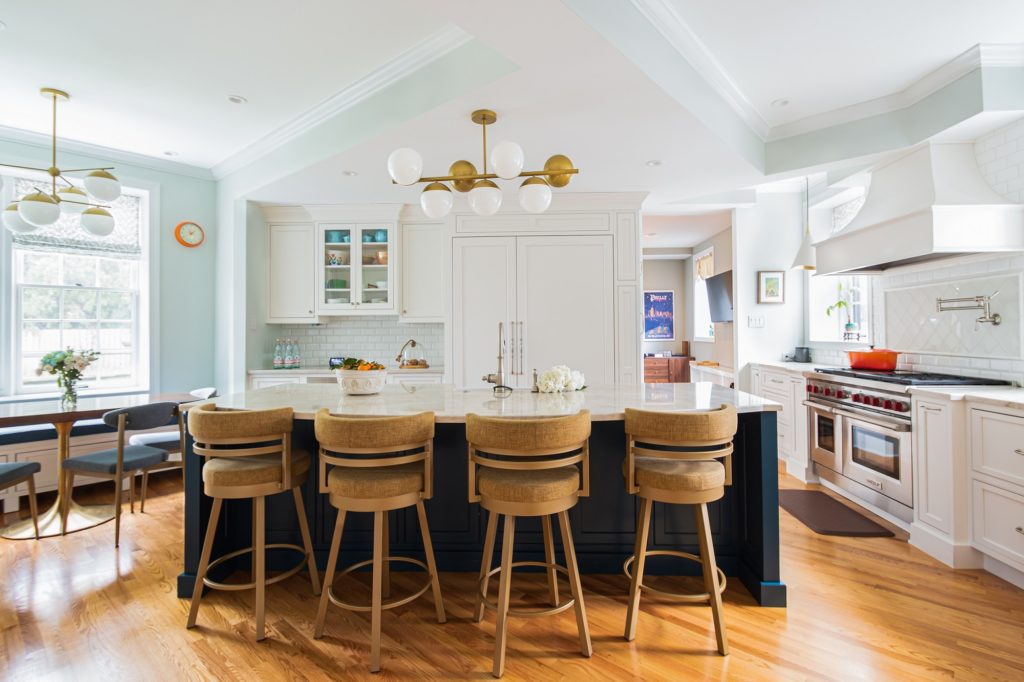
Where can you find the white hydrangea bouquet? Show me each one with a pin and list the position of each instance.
(68, 366)
(560, 379)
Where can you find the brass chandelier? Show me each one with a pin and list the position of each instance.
(405, 166)
(41, 208)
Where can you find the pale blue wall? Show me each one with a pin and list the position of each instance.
(184, 310)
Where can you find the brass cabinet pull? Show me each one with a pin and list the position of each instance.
(1019, 530)
(1019, 451)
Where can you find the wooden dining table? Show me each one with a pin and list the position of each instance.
(32, 412)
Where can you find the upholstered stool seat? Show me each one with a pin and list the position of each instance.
(256, 470)
(670, 474)
(375, 482)
(542, 485)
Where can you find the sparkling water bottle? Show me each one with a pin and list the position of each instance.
(278, 354)
(289, 359)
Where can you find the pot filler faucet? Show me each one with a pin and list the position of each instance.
(498, 378)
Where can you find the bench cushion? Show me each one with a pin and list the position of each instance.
(105, 461)
(15, 471)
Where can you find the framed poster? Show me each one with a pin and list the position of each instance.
(771, 286)
(659, 316)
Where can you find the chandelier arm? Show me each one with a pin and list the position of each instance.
(83, 203)
(65, 180)
(79, 170)
(32, 168)
(491, 176)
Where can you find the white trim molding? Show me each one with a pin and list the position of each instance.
(432, 47)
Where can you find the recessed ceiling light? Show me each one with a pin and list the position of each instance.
(349, 174)
(237, 99)
(654, 162)
(170, 153)
(779, 103)
(650, 234)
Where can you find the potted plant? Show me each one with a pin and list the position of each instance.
(843, 295)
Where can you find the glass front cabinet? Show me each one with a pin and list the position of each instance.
(357, 264)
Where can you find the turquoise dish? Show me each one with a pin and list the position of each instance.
(380, 236)
(367, 237)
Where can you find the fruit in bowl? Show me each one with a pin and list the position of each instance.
(360, 377)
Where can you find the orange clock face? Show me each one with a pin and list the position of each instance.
(189, 234)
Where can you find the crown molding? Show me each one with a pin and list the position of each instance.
(42, 141)
(430, 48)
(671, 25)
(976, 57)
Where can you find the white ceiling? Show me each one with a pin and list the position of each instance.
(662, 232)
(155, 76)
(823, 56)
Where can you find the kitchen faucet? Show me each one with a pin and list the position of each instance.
(498, 378)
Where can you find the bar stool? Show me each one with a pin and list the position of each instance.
(249, 455)
(673, 458)
(13, 473)
(378, 464)
(528, 468)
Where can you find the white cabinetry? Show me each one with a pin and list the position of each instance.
(788, 388)
(291, 282)
(554, 295)
(356, 268)
(422, 272)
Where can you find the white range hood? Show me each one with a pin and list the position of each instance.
(931, 203)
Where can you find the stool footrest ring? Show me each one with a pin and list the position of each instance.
(674, 596)
(213, 584)
(526, 613)
(388, 604)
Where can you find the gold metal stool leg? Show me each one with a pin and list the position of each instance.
(386, 578)
(574, 583)
(145, 485)
(711, 586)
(307, 541)
(260, 562)
(549, 558)
(117, 512)
(332, 565)
(504, 588)
(377, 596)
(204, 562)
(485, 562)
(428, 550)
(643, 527)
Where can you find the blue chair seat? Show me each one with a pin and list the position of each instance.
(15, 471)
(105, 461)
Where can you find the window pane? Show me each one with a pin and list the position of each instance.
(79, 305)
(80, 271)
(117, 274)
(40, 268)
(40, 337)
(115, 336)
(80, 335)
(839, 308)
(40, 303)
(115, 367)
(28, 373)
(115, 305)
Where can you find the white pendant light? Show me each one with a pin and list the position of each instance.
(39, 209)
(507, 160)
(72, 200)
(405, 166)
(102, 185)
(436, 200)
(535, 195)
(97, 221)
(806, 257)
(485, 198)
(14, 222)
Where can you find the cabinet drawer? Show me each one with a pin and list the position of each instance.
(998, 523)
(785, 439)
(782, 397)
(997, 445)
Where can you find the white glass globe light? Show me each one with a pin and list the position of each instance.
(485, 198)
(102, 185)
(39, 209)
(535, 195)
(72, 200)
(507, 160)
(14, 222)
(436, 200)
(97, 221)
(405, 166)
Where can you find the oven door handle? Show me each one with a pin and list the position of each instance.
(819, 406)
(876, 421)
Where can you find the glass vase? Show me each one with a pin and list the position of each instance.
(69, 394)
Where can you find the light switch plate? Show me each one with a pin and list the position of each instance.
(755, 321)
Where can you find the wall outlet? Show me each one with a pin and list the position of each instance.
(755, 321)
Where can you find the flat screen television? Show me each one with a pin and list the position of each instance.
(720, 296)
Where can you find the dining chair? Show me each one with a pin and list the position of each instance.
(13, 473)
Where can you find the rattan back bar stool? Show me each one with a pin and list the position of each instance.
(249, 455)
(377, 464)
(673, 458)
(528, 467)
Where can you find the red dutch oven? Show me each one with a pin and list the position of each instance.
(873, 358)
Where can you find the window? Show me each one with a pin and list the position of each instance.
(839, 308)
(703, 268)
(70, 288)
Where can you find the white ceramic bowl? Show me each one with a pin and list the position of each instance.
(356, 382)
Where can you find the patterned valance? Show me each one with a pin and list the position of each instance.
(704, 266)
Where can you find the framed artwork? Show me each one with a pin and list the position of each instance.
(771, 286)
(659, 316)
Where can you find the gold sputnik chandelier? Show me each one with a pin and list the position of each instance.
(405, 166)
(42, 207)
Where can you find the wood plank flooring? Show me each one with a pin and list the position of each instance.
(859, 609)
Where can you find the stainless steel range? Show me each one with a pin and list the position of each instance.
(860, 431)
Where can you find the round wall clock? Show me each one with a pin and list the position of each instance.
(189, 234)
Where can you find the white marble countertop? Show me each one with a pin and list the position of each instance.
(451, 405)
(1000, 396)
(324, 371)
(721, 370)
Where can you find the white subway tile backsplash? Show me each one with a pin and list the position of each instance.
(373, 338)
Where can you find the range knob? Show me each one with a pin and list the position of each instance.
(808, 388)
(901, 407)
(858, 398)
(888, 404)
(842, 394)
(828, 391)
(815, 389)
(876, 401)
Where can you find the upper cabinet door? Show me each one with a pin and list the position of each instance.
(565, 307)
(291, 283)
(338, 249)
(483, 294)
(378, 253)
(422, 272)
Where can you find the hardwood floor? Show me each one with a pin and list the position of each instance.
(859, 609)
